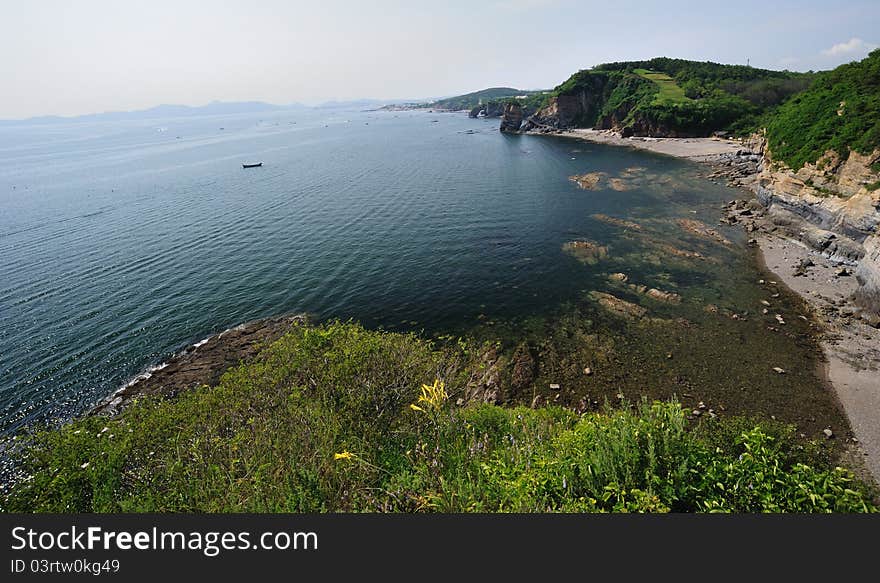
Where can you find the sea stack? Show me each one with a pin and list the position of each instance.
(511, 118)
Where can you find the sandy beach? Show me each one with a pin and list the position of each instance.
(851, 347)
(697, 149)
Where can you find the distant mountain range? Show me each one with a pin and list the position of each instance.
(160, 111)
(213, 108)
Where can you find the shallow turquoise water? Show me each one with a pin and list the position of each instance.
(120, 243)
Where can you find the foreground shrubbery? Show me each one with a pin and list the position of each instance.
(338, 418)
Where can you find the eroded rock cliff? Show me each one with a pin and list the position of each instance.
(833, 205)
(607, 102)
(511, 118)
(488, 109)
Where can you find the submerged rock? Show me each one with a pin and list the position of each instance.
(653, 293)
(702, 230)
(620, 184)
(586, 251)
(590, 180)
(663, 296)
(618, 306)
(616, 222)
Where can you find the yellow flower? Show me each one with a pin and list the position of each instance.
(346, 455)
(433, 396)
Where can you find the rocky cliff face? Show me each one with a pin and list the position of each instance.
(833, 205)
(563, 111)
(868, 274)
(511, 118)
(578, 108)
(588, 106)
(489, 109)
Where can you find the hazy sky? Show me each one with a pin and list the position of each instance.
(70, 57)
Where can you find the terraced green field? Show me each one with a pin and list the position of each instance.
(670, 92)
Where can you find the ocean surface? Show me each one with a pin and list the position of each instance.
(122, 242)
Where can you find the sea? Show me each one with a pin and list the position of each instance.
(124, 241)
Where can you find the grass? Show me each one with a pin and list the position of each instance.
(339, 418)
(670, 92)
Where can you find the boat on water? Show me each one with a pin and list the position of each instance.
(255, 165)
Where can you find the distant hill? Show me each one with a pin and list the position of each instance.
(160, 111)
(483, 97)
(669, 97)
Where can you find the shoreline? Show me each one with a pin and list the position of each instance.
(201, 363)
(695, 149)
(851, 347)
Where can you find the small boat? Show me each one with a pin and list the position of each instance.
(256, 165)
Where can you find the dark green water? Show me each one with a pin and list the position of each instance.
(121, 243)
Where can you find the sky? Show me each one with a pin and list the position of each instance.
(71, 57)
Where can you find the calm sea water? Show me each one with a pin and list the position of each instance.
(122, 242)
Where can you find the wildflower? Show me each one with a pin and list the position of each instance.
(345, 455)
(433, 396)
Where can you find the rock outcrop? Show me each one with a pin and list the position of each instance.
(832, 205)
(511, 118)
(202, 363)
(868, 275)
(604, 102)
(489, 109)
(619, 307)
(587, 252)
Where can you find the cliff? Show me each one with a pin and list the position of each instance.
(665, 98)
(832, 205)
(511, 118)
(489, 109)
(822, 168)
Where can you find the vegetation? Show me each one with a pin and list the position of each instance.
(682, 97)
(471, 100)
(669, 93)
(760, 87)
(339, 418)
(839, 112)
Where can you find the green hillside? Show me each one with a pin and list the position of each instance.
(471, 100)
(665, 96)
(840, 111)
